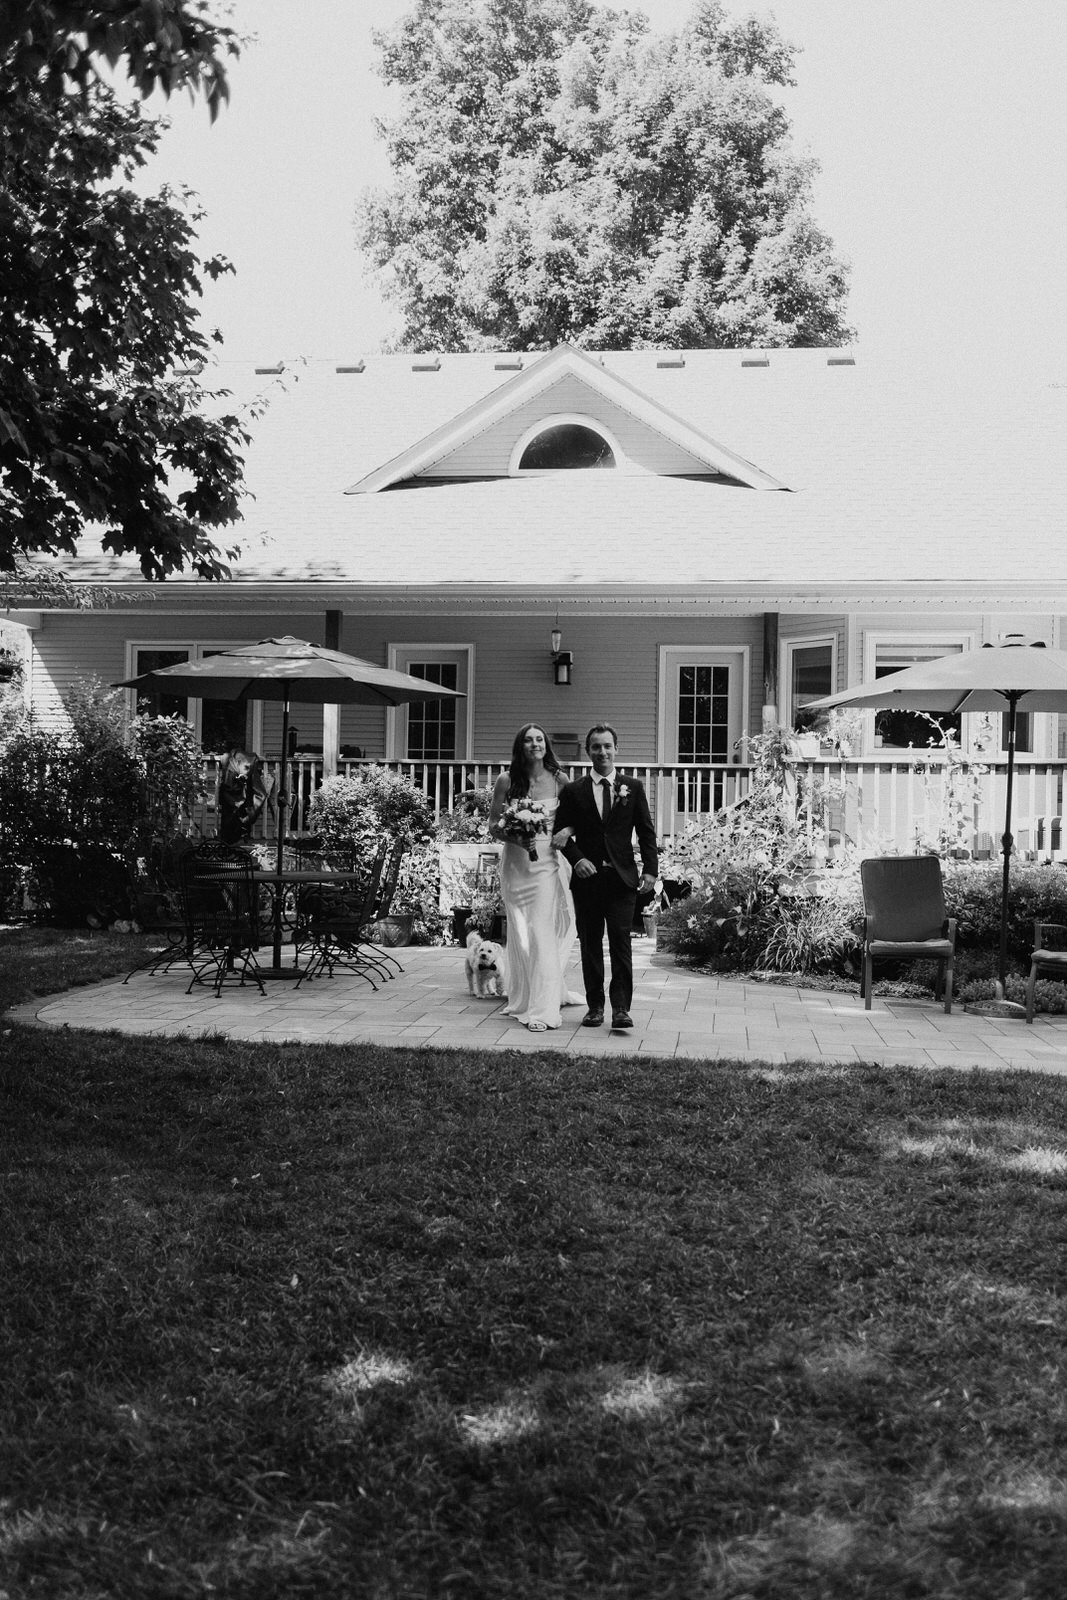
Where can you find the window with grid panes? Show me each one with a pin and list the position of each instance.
(703, 713)
(432, 723)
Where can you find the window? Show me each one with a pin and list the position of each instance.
(808, 674)
(566, 442)
(432, 723)
(432, 730)
(218, 724)
(704, 713)
(151, 700)
(904, 730)
(566, 446)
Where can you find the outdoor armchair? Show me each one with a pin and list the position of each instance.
(905, 920)
(1049, 956)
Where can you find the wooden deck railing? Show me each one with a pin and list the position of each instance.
(878, 803)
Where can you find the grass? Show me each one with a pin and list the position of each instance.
(371, 1323)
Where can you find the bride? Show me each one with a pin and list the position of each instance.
(536, 894)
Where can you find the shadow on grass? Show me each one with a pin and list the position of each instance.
(359, 1321)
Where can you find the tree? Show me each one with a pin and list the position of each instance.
(562, 174)
(102, 419)
(164, 44)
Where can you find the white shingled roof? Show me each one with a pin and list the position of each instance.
(896, 472)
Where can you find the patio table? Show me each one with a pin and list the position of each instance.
(276, 883)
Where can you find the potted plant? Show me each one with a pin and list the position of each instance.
(804, 743)
(476, 903)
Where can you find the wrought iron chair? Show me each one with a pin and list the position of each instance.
(904, 902)
(172, 954)
(381, 909)
(1047, 957)
(169, 927)
(218, 896)
(333, 923)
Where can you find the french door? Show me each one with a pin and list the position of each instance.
(702, 698)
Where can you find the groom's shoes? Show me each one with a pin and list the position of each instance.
(621, 1019)
(593, 1017)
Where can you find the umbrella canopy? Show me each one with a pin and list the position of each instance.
(970, 680)
(288, 670)
(996, 678)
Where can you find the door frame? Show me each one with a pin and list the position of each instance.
(674, 656)
(396, 717)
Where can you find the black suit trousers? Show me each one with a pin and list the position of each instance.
(605, 902)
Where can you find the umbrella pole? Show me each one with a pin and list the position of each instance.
(276, 969)
(1006, 846)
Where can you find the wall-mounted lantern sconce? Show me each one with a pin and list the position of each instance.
(562, 660)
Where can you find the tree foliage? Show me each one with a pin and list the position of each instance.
(560, 173)
(163, 44)
(102, 421)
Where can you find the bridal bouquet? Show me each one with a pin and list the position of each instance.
(523, 820)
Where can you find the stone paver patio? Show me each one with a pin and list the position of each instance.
(676, 1014)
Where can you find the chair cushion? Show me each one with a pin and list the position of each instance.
(934, 949)
(1049, 958)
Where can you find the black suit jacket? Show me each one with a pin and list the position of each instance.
(578, 809)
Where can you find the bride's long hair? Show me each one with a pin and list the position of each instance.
(518, 777)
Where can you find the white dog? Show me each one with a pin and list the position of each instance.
(485, 966)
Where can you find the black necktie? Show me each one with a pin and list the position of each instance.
(605, 799)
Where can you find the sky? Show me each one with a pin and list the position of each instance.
(940, 127)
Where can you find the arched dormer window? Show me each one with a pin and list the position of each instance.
(564, 444)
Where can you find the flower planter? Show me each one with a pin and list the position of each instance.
(394, 930)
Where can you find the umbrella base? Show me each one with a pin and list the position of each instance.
(282, 972)
(995, 1008)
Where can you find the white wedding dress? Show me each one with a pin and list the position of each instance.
(541, 931)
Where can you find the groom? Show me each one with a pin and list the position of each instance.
(605, 810)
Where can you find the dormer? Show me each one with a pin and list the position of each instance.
(563, 413)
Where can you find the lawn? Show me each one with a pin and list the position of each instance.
(329, 1322)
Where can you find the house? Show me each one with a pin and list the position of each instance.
(687, 544)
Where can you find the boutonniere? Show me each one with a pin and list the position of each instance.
(622, 791)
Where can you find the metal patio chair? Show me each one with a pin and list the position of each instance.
(382, 907)
(218, 896)
(332, 924)
(905, 920)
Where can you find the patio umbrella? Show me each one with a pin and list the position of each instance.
(289, 670)
(995, 678)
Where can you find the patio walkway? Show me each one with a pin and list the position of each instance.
(676, 1013)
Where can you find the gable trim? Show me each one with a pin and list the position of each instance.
(526, 385)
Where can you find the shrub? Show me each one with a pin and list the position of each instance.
(355, 812)
(973, 897)
(70, 804)
(737, 862)
(468, 821)
(89, 812)
(815, 933)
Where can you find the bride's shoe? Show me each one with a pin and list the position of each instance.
(537, 1027)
